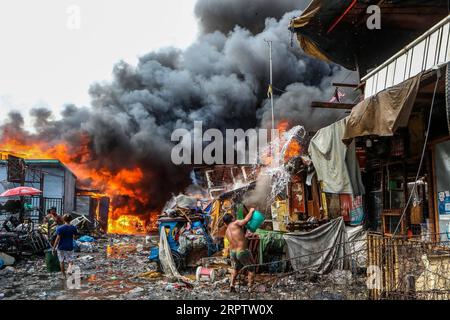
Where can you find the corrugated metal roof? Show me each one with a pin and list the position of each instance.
(43, 162)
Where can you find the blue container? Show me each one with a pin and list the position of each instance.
(2, 263)
(256, 221)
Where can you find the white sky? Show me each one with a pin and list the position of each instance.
(45, 62)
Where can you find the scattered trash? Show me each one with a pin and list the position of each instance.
(175, 286)
(76, 246)
(218, 283)
(260, 288)
(150, 275)
(120, 250)
(329, 296)
(85, 258)
(7, 270)
(341, 277)
(86, 246)
(136, 290)
(134, 277)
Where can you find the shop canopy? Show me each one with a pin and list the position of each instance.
(337, 30)
(382, 114)
(20, 191)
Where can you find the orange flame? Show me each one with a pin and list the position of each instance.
(127, 224)
(267, 159)
(283, 126)
(123, 220)
(293, 150)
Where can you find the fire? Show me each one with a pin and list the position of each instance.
(127, 224)
(122, 219)
(283, 126)
(293, 150)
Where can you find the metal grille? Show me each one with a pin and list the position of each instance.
(54, 202)
(41, 205)
(35, 214)
(16, 169)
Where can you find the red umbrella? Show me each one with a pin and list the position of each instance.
(20, 192)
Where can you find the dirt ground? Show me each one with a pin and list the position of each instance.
(118, 269)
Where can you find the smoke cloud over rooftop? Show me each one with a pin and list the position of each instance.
(221, 79)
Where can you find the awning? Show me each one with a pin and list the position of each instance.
(307, 15)
(383, 113)
(306, 26)
(337, 30)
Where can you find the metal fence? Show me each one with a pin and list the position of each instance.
(380, 268)
(432, 48)
(408, 269)
(40, 205)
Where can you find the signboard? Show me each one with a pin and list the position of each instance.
(442, 160)
(16, 169)
(444, 202)
(280, 215)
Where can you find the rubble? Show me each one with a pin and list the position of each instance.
(7, 259)
(131, 276)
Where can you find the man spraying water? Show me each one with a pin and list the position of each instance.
(239, 253)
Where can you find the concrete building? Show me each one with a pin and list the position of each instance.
(57, 182)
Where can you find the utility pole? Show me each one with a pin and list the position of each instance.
(274, 148)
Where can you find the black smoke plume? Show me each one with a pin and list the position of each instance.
(221, 79)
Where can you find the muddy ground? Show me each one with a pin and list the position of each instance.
(119, 269)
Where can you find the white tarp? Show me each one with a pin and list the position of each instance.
(320, 250)
(165, 256)
(335, 163)
(166, 259)
(357, 242)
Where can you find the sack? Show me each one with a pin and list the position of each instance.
(52, 261)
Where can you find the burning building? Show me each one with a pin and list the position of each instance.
(121, 144)
(93, 205)
(44, 168)
(56, 181)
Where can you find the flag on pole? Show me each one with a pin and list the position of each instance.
(269, 91)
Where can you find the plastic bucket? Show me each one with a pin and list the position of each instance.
(256, 221)
(205, 274)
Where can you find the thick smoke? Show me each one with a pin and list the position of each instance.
(221, 79)
(224, 15)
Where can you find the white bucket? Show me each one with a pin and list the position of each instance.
(205, 274)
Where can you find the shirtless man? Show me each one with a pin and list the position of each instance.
(239, 253)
